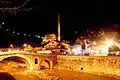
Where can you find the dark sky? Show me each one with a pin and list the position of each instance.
(42, 18)
(73, 15)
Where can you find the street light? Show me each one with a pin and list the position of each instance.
(109, 43)
(11, 46)
(25, 45)
(3, 23)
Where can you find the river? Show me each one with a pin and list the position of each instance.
(52, 75)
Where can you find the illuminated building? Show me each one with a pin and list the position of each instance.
(50, 41)
(49, 37)
(77, 50)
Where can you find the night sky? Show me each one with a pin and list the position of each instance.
(75, 16)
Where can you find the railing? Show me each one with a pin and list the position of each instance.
(11, 52)
(22, 52)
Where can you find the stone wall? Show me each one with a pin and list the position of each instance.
(109, 65)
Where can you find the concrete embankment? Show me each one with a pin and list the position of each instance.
(99, 65)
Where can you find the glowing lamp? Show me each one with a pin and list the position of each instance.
(11, 45)
(25, 45)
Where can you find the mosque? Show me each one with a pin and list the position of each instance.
(51, 41)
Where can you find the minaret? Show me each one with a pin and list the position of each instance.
(59, 27)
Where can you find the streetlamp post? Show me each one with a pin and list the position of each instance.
(11, 46)
(24, 46)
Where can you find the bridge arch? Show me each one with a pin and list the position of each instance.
(46, 63)
(26, 59)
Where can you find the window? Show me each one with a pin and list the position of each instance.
(36, 61)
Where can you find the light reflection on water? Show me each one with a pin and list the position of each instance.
(6, 76)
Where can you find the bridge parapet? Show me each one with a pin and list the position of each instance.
(32, 59)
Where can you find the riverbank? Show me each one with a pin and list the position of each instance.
(99, 65)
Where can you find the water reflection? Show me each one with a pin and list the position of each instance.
(6, 76)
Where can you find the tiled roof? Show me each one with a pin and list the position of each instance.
(45, 43)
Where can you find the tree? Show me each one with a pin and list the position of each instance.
(114, 48)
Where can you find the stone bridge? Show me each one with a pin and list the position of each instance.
(33, 60)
